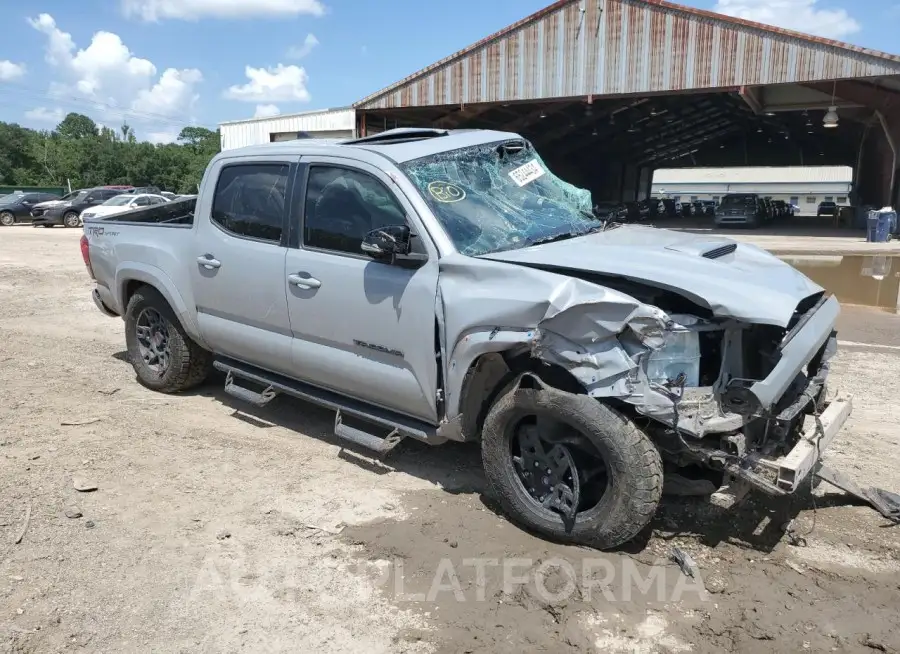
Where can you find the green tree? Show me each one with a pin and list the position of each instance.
(80, 153)
(77, 126)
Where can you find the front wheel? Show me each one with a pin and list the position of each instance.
(571, 468)
(7, 219)
(71, 219)
(163, 356)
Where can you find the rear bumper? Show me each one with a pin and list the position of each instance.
(737, 220)
(95, 296)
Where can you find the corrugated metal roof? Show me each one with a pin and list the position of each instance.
(614, 47)
(754, 175)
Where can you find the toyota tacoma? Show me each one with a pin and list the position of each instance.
(447, 286)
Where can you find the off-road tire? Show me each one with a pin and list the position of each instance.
(7, 219)
(71, 219)
(632, 460)
(189, 363)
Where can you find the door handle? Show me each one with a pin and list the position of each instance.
(307, 283)
(208, 262)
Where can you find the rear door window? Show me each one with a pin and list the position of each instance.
(249, 200)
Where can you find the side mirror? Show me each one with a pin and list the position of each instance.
(386, 242)
(91, 198)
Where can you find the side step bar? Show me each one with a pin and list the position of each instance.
(398, 425)
(366, 439)
(246, 395)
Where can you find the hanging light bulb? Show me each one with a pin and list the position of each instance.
(831, 118)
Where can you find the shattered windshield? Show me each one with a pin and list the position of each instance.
(500, 196)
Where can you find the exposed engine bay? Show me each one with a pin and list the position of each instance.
(695, 387)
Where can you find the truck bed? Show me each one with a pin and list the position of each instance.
(176, 213)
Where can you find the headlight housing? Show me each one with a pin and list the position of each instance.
(679, 356)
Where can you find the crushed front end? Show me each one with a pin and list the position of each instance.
(758, 411)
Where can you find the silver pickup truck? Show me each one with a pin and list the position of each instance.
(446, 285)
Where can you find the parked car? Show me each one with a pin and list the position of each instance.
(123, 203)
(653, 206)
(67, 210)
(16, 207)
(671, 208)
(566, 346)
(154, 190)
(785, 209)
(709, 208)
(741, 209)
(827, 209)
(611, 209)
(637, 212)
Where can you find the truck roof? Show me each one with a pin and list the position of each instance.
(399, 145)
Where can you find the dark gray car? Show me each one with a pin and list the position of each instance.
(741, 210)
(17, 207)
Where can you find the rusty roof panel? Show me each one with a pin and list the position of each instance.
(609, 47)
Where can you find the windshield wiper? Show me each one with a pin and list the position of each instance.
(555, 237)
(567, 235)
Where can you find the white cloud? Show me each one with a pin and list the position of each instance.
(154, 10)
(171, 94)
(279, 84)
(10, 71)
(266, 111)
(300, 51)
(119, 84)
(800, 15)
(166, 136)
(60, 44)
(44, 115)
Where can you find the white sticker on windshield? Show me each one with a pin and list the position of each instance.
(528, 173)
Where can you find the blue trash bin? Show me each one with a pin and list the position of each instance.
(880, 226)
(872, 227)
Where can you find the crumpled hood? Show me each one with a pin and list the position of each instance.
(746, 283)
(48, 204)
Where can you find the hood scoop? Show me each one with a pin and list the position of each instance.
(706, 249)
(720, 251)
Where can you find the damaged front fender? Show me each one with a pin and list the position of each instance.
(593, 332)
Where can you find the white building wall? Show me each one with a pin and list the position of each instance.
(327, 123)
(805, 187)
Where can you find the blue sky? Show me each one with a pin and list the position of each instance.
(161, 64)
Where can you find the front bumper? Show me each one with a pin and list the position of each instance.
(798, 349)
(793, 468)
(48, 218)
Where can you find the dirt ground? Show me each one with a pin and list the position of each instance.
(216, 527)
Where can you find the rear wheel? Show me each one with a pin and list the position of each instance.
(570, 467)
(163, 356)
(7, 219)
(71, 219)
